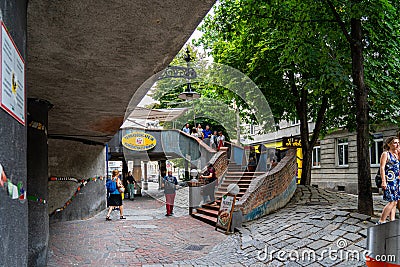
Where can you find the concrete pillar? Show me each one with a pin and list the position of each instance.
(37, 155)
(145, 183)
(187, 169)
(13, 213)
(124, 170)
(137, 175)
(76, 159)
(163, 171)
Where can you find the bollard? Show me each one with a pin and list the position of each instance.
(383, 245)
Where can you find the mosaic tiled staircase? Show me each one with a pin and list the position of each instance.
(234, 175)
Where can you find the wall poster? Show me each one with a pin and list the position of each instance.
(12, 97)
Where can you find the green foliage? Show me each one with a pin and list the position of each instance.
(218, 104)
(270, 39)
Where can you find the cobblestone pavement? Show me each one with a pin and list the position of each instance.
(315, 223)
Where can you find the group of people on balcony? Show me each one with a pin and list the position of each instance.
(214, 139)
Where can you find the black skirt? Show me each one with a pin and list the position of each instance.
(114, 200)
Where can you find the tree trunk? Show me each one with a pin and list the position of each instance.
(365, 202)
(306, 166)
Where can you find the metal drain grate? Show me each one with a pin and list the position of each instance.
(195, 247)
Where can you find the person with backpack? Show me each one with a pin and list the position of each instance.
(114, 190)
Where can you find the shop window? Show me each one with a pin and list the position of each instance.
(342, 152)
(316, 157)
(376, 149)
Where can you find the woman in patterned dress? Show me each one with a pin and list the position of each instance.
(389, 167)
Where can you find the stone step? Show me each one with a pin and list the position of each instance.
(244, 173)
(208, 212)
(224, 187)
(213, 207)
(205, 218)
(221, 193)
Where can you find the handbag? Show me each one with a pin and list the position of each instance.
(121, 188)
(378, 179)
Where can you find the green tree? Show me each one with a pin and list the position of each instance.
(372, 36)
(289, 58)
(217, 106)
(298, 52)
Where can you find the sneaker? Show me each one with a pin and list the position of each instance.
(167, 214)
(379, 223)
(108, 219)
(122, 218)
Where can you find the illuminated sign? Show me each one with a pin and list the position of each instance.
(291, 142)
(139, 141)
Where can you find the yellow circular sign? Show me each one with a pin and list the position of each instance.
(139, 141)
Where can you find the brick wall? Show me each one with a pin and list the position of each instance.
(275, 187)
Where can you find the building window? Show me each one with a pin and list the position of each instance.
(294, 122)
(343, 152)
(252, 129)
(376, 150)
(316, 157)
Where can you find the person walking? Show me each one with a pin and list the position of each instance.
(114, 190)
(131, 185)
(389, 168)
(170, 183)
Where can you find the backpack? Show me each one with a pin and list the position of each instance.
(111, 185)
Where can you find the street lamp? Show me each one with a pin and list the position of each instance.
(188, 94)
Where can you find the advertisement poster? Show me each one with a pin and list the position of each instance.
(225, 212)
(12, 97)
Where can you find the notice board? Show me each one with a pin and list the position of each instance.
(12, 76)
(225, 212)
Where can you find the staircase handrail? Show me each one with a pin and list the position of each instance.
(220, 164)
(233, 157)
(201, 143)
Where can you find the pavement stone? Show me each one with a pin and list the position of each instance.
(148, 238)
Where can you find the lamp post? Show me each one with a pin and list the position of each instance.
(188, 94)
(188, 73)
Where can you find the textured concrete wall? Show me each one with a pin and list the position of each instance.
(75, 159)
(13, 214)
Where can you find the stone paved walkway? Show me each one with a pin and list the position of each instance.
(316, 221)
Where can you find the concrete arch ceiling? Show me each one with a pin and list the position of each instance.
(89, 57)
